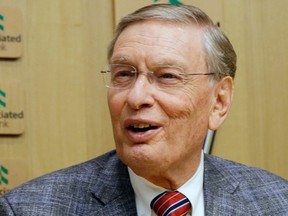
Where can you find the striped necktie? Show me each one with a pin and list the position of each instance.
(170, 203)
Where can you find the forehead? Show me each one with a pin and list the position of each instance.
(159, 40)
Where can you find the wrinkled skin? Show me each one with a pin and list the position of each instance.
(169, 153)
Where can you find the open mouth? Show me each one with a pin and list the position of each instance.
(141, 128)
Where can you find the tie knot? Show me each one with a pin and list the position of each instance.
(170, 203)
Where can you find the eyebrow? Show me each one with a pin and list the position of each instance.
(168, 62)
(119, 59)
(124, 59)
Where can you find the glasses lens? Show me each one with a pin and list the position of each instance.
(163, 77)
(119, 76)
(168, 77)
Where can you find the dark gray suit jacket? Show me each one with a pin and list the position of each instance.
(102, 187)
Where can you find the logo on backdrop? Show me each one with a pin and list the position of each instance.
(11, 28)
(4, 182)
(5, 114)
(172, 2)
(11, 108)
(12, 173)
(2, 46)
(1, 19)
(2, 97)
(3, 175)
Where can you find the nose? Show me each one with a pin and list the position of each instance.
(141, 94)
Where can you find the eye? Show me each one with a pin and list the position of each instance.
(122, 74)
(118, 70)
(168, 76)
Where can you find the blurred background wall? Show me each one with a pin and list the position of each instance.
(66, 120)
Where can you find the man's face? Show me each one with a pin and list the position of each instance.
(159, 131)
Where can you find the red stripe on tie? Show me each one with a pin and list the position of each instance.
(183, 210)
(171, 203)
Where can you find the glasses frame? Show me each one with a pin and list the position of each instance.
(137, 72)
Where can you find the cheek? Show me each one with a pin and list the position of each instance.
(115, 104)
(180, 106)
(199, 96)
(190, 108)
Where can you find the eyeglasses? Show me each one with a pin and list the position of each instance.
(122, 76)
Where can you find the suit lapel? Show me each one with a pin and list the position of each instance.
(115, 196)
(114, 191)
(220, 187)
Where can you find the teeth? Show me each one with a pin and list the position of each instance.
(141, 126)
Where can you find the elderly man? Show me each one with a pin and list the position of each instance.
(170, 79)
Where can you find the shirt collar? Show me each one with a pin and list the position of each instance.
(145, 191)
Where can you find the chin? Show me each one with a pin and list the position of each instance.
(139, 157)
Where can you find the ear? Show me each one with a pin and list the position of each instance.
(223, 96)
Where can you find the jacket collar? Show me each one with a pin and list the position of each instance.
(115, 193)
(113, 188)
(220, 184)
(216, 174)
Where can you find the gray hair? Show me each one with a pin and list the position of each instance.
(220, 55)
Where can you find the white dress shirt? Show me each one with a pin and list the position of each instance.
(145, 191)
